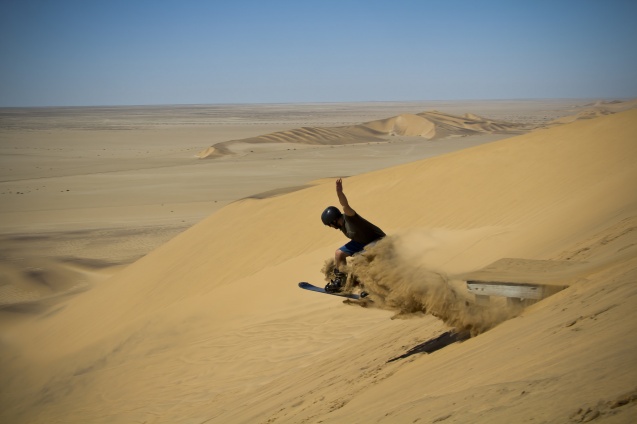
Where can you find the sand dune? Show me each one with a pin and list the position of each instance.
(594, 110)
(37, 284)
(429, 125)
(211, 327)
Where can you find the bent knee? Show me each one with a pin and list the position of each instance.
(340, 255)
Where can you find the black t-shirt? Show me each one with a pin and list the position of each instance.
(360, 230)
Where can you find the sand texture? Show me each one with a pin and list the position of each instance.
(210, 327)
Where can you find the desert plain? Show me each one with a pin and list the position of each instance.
(150, 258)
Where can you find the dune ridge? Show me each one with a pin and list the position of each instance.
(211, 327)
(597, 109)
(429, 125)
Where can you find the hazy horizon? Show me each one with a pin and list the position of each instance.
(146, 53)
(300, 103)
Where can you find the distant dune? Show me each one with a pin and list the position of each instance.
(594, 110)
(428, 125)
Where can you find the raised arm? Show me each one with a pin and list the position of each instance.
(347, 210)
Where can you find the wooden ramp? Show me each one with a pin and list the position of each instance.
(522, 280)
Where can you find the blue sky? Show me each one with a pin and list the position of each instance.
(138, 52)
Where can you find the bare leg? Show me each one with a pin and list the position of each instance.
(340, 258)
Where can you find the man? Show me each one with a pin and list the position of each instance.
(361, 233)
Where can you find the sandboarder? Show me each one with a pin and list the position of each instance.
(361, 233)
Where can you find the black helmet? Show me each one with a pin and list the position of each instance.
(330, 215)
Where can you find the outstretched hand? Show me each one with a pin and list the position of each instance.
(339, 185)
(347, 210)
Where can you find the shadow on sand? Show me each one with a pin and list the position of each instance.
(430, 346)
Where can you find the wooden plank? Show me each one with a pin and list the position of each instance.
(493, 288)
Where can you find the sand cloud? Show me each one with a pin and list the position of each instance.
(405, 273)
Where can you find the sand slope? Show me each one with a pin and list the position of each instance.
(429, 125)
(212, 328)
